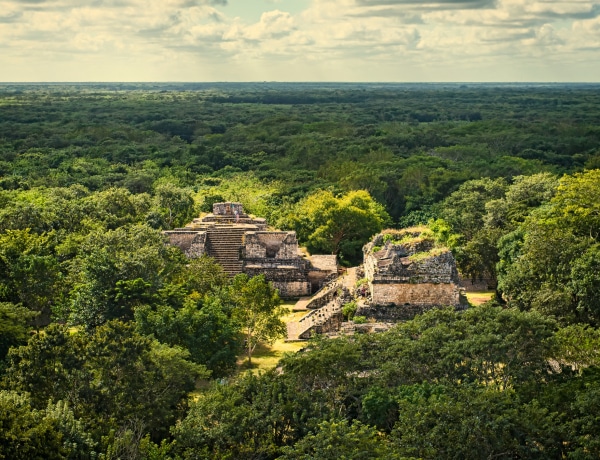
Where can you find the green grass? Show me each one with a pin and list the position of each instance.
(477, 298)
(267, 356)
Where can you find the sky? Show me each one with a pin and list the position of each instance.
(300, 40)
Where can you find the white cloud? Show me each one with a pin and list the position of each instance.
(333, 38)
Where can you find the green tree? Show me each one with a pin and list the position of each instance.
(338, 439)
(202, 275)
(338, 225)
(112, 379)
(175, 204)
(522, 196)
(473, 422)
(252, 417)
(116, 207)
(118, 270)
(257, 310)
(465, 208)
(49, 433)
(29, 271)
(211, 337)
(550, 263)
(14, 326)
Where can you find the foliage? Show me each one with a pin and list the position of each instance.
(210, 336)
(473, 422)
(444, 385)
(338, 225)
(257, 311)
(51, 432)
(554, 266)
(175, 205)
(29, 271)
(202, 275)
(337, 439)
(349, 309)
(111, 379)
(118, 270)
(474, 235)
(14, 326)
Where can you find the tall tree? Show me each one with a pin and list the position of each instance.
(174, 204)
(113, 378)
(29, 271)
(257, 310)
(338, 225)
(14, 327)
(550, 263)
(118, 270)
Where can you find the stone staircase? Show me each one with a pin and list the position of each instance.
(325, 315)
(224, 244)
(328, 318)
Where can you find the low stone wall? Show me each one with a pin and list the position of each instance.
(415, 294)
(291, 280)
(291, 289)
(478, 285)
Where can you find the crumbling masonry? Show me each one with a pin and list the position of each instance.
(407, 274)
(242, 244)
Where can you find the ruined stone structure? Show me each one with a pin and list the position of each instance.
(242, 244)
(324, 313)
(407, 274)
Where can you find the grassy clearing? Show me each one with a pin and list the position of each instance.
(477, 298)
(266, 356)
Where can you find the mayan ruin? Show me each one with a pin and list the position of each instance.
(404, 272)
(407, 274)
(244, 244)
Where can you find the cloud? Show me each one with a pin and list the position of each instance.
(430, 5)
(358, 36)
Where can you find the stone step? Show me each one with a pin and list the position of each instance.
(312, 320)
(224, 245)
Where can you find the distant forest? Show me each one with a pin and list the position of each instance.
(410, 146)
(114, 346)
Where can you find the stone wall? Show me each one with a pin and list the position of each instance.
(291, 289)
(484, 284)
(271, 245)
(415, 294)
(289, 279)
(394, 313)
(192, 243)
(410, 272)
(228, 209)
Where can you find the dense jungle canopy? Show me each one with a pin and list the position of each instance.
(113, 345)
